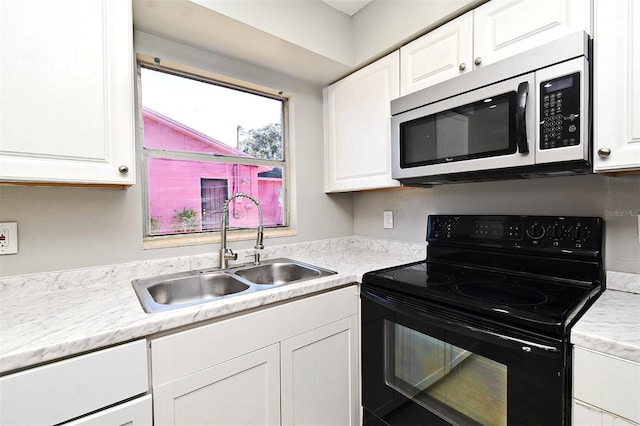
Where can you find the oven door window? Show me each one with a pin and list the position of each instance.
(452, 382)
(485, 128)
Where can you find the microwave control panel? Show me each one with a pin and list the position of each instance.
(560, 112)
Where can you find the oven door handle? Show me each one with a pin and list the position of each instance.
(454, 324)
(521, 117)
(525, 345)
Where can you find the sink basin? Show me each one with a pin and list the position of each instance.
(185, 289)
(278, 273)
(182, 289)
(189, 289)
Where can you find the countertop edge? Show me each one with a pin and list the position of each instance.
(50, 317)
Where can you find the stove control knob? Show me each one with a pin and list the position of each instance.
(556, 232)
(449, 229)
(535, 231)
(578, 232)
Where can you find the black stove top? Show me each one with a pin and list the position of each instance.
(509, 271)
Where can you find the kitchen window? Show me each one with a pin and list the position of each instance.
(204, 141)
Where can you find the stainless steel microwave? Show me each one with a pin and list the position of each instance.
(524, 116)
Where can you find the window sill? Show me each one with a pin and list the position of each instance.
(183, 240)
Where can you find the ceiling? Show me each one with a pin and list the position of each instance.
(350, 7)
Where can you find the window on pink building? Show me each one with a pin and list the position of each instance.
(204, 142)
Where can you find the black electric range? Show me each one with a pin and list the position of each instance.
(538, 272)
(490, 308)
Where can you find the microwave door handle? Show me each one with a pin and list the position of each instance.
(521, 123)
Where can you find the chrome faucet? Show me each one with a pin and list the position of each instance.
(227, 254)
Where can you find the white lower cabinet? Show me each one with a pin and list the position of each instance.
(606, 389)
(133, 413)
(319, 381)
(295, 363)
(588, 415)
(244, 390)
(71, 389)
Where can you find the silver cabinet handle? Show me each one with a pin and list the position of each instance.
(123, 169)
(478, 60)
(462, 66)
(604, 152)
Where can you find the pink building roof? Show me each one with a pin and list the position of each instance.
(191, 140)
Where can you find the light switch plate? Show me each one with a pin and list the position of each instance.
(387, 219)
(8, 238)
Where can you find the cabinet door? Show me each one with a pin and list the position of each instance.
(66, 91)
(617, 85)
(132, 413)
(444, 53)
(242, 391)
(357, 128)
(504, 28)
(320, 376)
(588, 415)
(607, 382)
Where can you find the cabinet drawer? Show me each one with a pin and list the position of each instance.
(609, 383)
(132, 413)
(66, 389)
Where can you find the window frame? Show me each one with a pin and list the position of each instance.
(151, 241)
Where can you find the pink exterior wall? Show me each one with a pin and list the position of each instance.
(175, 185)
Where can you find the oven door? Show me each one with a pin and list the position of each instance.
(488, 128)
(425, 365)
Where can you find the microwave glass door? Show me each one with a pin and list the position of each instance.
(485, 128)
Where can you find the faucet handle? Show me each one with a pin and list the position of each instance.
(230, 255)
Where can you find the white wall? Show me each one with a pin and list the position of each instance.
(383, 25)
(615, 199)
(66, 228)
(314, 25)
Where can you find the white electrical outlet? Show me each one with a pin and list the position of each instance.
(387, 219)
(8, 237)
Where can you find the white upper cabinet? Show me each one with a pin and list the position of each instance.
(504, 28)
(357, 113)
(617, 85)
(494, 31)
(444, 53)
(66, 91)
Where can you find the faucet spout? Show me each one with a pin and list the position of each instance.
(226, 253)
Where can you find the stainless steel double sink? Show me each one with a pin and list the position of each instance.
(173, 291)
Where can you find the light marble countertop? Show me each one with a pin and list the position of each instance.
(612, 324)
(51, 316)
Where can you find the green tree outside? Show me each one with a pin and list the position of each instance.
(264, 143)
